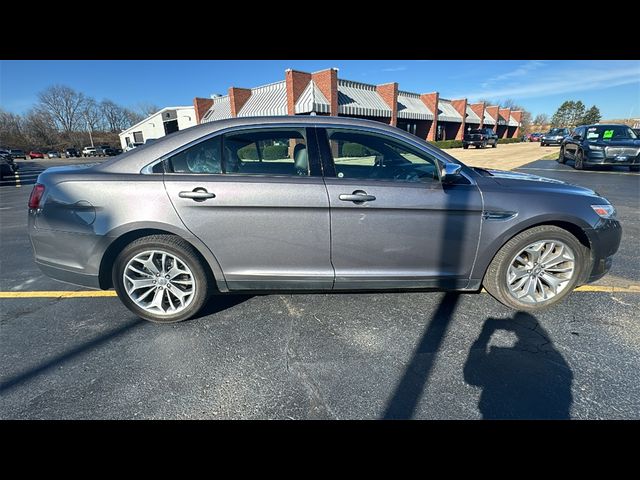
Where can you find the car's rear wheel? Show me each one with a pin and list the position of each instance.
(465, 146)
(495, 144)
(579, 161)
(537, 268)
(543, 144)
(561, 158)
(160, 278)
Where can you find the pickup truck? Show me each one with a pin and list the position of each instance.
(480, 137)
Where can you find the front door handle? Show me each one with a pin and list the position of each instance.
(198, 194)
(359, 197)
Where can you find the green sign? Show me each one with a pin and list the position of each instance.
(607, 134)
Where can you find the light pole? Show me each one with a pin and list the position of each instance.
(88, 128)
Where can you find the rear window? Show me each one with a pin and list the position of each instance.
(476, 132)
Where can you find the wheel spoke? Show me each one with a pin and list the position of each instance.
(175, 271)
(139, 283)
(517, 273)
(548, 250)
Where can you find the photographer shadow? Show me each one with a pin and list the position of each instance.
(529, 379)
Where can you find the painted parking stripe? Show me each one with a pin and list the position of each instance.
(112, 293)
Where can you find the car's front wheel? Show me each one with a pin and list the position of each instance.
(561, 157)
(579, 161)
(160, 278)
(537, 268)
(495, 144)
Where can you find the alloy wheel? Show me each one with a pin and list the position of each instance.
(159, 282)
(540, 271)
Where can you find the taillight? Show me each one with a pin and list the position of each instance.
(36, 195)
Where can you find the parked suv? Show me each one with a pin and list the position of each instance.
(554, 137)
(602, 145)
(306, 203)
(89, 152)
(480, 137)
(17, 153)
(71, 152)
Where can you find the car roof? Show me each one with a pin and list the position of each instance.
(134, 160)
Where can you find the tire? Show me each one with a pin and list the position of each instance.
(634, 168)
(561, 158)
(186, 256)
(495, 144)
(542, 144)
(465, 146)
(495, 279)
(578, 163)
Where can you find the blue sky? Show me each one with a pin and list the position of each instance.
(539, 85)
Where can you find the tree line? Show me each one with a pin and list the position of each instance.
(63, 117)
(570, 114)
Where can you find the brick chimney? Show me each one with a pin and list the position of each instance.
(461, 108)
(389, 93)
(431, 102)
(327, 82)
(237, 98)
(202, 105)
(478, 109)
(296, 83)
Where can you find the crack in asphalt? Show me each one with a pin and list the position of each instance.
(318, 408)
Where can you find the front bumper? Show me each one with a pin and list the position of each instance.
(605, 241)
(475, 143)
(594, 157)
(551, 141)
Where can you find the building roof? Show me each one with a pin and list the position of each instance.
(501, 119)
(220, 110)
(446, 112)
(139, 124)
(472, 117)
(488, 119)
(355, 98)
(266, 100)
(513, 122)
(411, 107)
(312, 100)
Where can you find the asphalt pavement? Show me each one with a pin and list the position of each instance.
(325, 356)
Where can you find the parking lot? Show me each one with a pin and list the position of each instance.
(325, 356)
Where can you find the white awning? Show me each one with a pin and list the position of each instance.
(447, 113)
(411, 107)
(356, 98)
(513, 122)
(269, 100)
(472, 117)
(501, 119)
(312, 100)
(220, 110)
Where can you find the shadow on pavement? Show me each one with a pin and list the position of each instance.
(59, 359)
(407, 394)
(219, 303)
(529, 379)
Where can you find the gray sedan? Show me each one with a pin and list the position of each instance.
(312, 204)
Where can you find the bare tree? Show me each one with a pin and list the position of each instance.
(146, 108)
(541, 119)
(92, 115)
(64, 106)
(11, 130)
(40, 131)
(116, 118)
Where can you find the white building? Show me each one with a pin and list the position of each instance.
(164, 122)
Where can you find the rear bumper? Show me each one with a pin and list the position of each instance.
(474, 142)
(605, 241)
(68, 276)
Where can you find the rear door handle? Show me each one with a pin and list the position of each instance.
(198, 194)
(358, 197)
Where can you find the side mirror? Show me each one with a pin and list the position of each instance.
(577, 137)
(449, 172)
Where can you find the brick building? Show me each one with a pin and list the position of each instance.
(426, 115)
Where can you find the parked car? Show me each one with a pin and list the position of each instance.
(601, 145)
(17, 153)
(53, 154)
(71, 153)
(6, 169)
(535, 137)
(554, 136)
(353, 205)
(89, 152)
(110, 152)
(102, 150)
(636, 131)
(35, 154)
(132, 146)
(480, 138)
(8, 159)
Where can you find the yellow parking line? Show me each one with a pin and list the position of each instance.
(17, 175)
(59, 294)
(112, 293)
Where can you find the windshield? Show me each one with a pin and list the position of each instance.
(557, 131)
(476, 132)
(607, 133)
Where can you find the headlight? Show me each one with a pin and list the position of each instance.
(596, 148)
(604, 211)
